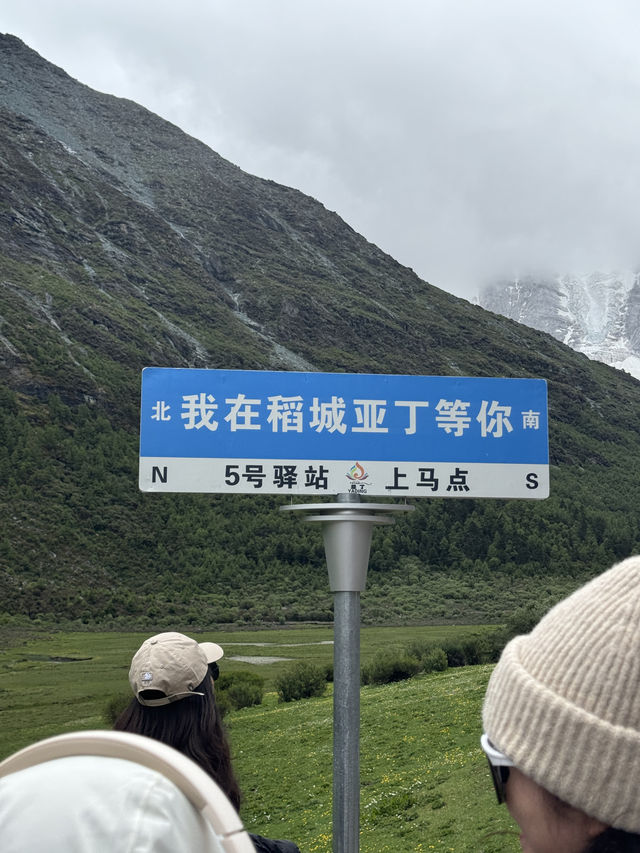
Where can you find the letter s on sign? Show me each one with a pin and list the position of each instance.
(532, 481)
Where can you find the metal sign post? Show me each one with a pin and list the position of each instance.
(347, 527)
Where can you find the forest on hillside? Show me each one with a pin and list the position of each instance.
(87, 548)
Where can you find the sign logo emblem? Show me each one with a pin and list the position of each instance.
(358, 475)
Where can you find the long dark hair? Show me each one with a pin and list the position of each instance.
(615, 841)
(192, 726)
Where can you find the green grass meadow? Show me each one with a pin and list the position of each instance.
(424, 781)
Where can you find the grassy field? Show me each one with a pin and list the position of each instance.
(424, 780)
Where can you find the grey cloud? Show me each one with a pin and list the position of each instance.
(466, 139)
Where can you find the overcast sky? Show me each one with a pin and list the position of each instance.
(470, 139)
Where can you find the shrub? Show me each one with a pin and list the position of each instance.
(432, 657)
(495, 643)
(389, 667)
(300, 682)
(455, 654)
(521, 621)
(524, 619)
(115, 706)
(419, 648)
(231, 677)
(244, 694)
(435, 660)
(238, 689)
(223, 703)
(472, 650)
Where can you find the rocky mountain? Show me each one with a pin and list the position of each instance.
(597, 314)
(126, 243)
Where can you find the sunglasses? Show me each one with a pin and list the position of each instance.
(214, 670)
(499, 765)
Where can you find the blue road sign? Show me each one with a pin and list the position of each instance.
(270, 432)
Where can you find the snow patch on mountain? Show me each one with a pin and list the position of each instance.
(596, 313)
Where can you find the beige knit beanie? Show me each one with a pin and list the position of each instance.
(563, 702)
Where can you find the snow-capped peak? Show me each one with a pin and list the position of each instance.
(596, 313)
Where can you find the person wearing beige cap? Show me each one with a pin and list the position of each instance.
(172, 678)
(561, 721)
(169, 667)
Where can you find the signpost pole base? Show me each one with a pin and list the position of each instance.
(347, 527)
(346, 722)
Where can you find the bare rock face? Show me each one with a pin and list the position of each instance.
(152, 248)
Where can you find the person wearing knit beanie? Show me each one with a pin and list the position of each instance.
(561, 718)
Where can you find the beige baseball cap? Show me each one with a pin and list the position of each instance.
(169, 667)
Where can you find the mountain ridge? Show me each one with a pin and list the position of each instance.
(153, 250)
